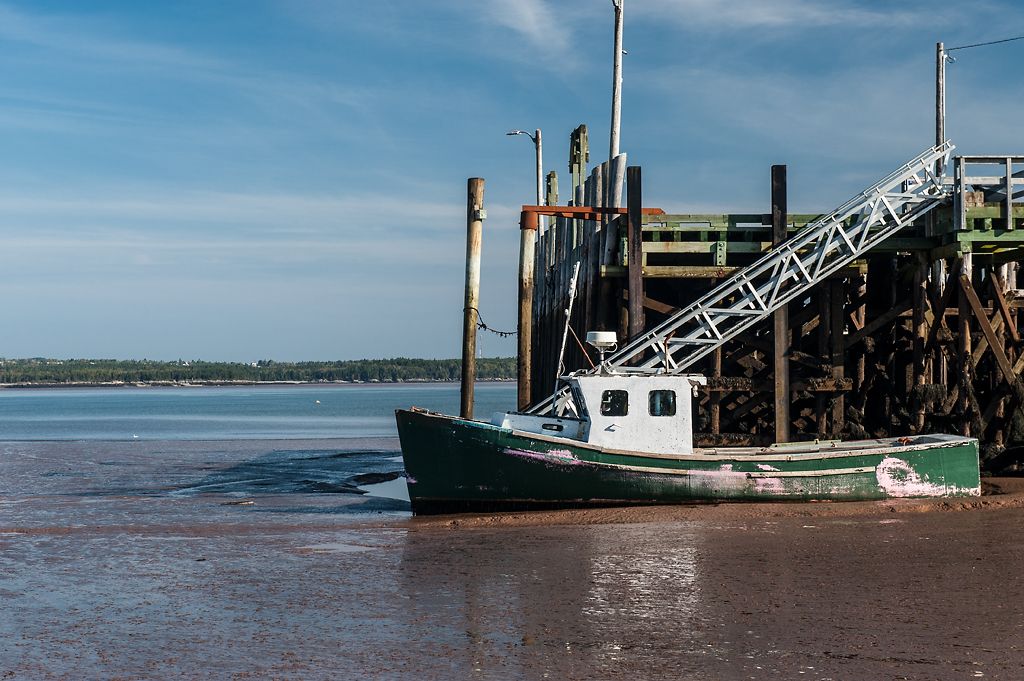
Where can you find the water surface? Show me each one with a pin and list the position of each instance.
(231, 413)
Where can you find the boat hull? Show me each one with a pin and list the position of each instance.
(455, 465)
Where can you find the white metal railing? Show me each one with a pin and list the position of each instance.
(789, 270)
(785, 273)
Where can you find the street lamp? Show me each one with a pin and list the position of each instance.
(540, 170)
(527, 251)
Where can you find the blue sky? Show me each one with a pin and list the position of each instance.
(286, 179)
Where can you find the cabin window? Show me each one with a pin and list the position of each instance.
(614, 403)
(662, 402)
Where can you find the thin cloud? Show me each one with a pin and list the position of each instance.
(827, 113)
(533, 19)
(258, 210)
(746, 14)
(64, 34)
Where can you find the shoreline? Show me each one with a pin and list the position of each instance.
(32, 385)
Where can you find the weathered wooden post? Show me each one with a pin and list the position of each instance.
(964, 347)
(964, 312)
(824, 351)
(634, 217)
(611, 295)
(528, 233)
(780, 220)
(838, 319)
(716, 396)
(474, 233)
(920, 337)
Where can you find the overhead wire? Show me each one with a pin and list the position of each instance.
(994, 42)
(951, 59)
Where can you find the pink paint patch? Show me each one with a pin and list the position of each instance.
(411, 480)
(554, 456)
(899, 479)
(721, 480)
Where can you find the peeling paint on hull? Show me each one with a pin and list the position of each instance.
(453, 464)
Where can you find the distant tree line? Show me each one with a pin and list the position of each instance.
(66, 371)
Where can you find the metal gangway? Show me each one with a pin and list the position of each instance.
(787, 272)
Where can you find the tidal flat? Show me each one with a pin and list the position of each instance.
(268, 559)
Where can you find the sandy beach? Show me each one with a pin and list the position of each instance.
(149, 560)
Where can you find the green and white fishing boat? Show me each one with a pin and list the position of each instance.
(622, 432)
(631, 444)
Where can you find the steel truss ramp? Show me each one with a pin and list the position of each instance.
(788, 271)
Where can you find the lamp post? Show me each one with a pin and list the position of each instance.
(527, 239)
(540, 169)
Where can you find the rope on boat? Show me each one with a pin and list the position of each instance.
(584, 350)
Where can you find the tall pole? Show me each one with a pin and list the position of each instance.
(474, 234)
(939, 266)
(527, 254)
(635, 275)
(940, 100)
(780, 221)
(540, 179)
(613, 150)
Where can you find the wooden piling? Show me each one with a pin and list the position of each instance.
(859, 313)
(634, 200)
(780, 222)
(920, 330)
(527, 242)
(964, 359)
(838, 324)
(716, 397)
(474, 235)
(824, 327)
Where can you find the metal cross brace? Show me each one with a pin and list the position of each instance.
(789, 270)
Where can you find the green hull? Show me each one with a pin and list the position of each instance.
(459, 465)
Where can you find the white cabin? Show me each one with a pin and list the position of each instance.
(641, 413)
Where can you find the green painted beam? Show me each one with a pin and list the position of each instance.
(993, 236)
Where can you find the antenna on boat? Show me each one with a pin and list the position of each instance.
(604, 341)
(565, 335)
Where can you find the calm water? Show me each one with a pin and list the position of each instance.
(231, 413)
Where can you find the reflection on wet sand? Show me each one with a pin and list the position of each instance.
(594, 601)
(836, 598)
(633, 578)
(134, 560)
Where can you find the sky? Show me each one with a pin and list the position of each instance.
(286, 179)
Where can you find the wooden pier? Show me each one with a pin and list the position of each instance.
(920, 336)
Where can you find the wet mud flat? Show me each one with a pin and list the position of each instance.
(146, 560)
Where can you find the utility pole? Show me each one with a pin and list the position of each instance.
(940, 101)
(613, 150)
